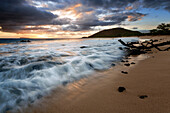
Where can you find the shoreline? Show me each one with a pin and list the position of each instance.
(99, 93)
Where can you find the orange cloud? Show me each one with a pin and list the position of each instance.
(135, 18)
(69, 12)
(129, 8)
(130, 18)
(89, 12)
(73, 8)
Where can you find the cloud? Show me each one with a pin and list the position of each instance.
(134, 16)
(72, 15)
(129, 8)
(120, 17)
(11, 28)
(87, 22)
(108, 4)
(157, 4)
(18, 12)
(14, 14)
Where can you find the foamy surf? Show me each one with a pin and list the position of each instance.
(29, 71)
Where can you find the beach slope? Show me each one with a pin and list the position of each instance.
(147, 90)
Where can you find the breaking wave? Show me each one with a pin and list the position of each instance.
(28, 71)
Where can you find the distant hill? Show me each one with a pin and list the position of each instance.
(115, 32)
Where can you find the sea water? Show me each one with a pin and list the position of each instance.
(29, 71)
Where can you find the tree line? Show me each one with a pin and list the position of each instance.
(162, 29)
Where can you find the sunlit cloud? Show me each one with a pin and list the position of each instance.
(135, 17)
(73, 18)
(129, 8)
(69, 12)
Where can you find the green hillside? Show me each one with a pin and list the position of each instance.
(115, 32)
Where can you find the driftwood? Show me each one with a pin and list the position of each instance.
(145, 46)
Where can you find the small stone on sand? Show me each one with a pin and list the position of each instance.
(127, 64)
(121, 89)
(143, 96)
(124, 72)
(123, 61)
(133, 63)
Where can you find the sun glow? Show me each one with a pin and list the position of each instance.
(69, 12)
(42, 36)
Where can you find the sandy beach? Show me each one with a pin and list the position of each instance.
(148, 77)
(85, 56)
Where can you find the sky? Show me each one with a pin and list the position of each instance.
(78, 18)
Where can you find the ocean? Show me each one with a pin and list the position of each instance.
(29, 71)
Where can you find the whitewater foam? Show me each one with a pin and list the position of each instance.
(31, 70)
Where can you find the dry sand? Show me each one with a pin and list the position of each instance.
(99, 94)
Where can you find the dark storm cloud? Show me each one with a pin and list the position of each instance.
(19, 28)
(35, 28)
(113, 3)
(157, 4)
(18, 12)
(91, 21)
(62, 21)
(11, 28)
(108, 3)
(87, 22)
(116, 18)
(14, 14)
(168, 8)
(91, 3)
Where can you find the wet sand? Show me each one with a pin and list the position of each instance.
(99, 94)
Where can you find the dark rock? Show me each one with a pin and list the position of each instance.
(90, 66)
(112, 64)
(143, 96)
(124, 72)
(133, 63)
(25, 41)
(123, 61)
(39, 96)
(82, 47)
(121, 89)
(127, 64)
(65, 83)
(120, 48)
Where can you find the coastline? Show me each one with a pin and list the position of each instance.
(148, 77)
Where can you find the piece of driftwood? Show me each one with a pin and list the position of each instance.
(145, 46)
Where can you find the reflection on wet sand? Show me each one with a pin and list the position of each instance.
(64, 97)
